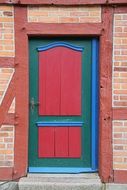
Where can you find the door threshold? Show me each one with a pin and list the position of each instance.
(60, 170)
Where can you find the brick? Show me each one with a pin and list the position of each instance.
(125, 159)
(123, 74)
(7, 31)
(6, 163)
(9, 157)
(2, 146)
(117, 159)
(116, 86)
(123, 86)
(117, 123)
(88, 20)
(120, 166)
(120, 92)
(8, 139)
(79, 14)
(116, 97)
(6, 151)
(119, 153)
(125, 17)
(124, 52)
(117, 135)
(64, 14)
(8, 13)
(10, 146)
(123, 97)
(69, 20)
(118, 147)
(120, 141)
(120, 129)
(118, 29)
(117, 17)
(2, 157)
(4, 134)
(48, 19)
(6, 8)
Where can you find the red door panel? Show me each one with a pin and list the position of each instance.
(61, 142)
(71, 82)
(75, 142)
(49, 83)
(46, 142)
(60, 82)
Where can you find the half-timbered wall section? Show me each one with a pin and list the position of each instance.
(81, 14)
(119, 91)
(7, 44)
(105, 19)
(7, 53)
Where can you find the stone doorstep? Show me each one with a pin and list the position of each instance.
(61, 182)
(9, 186)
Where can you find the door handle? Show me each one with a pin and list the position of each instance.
(33, 104)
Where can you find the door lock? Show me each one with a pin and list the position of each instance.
(33, 104)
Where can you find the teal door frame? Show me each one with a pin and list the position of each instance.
(94, 123)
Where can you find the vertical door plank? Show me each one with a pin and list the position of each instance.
(70, 82)
(61, 142)
(75, 142)
(42, 84)
(50, 81)
(46, 142)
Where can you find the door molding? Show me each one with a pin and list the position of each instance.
(22, 31)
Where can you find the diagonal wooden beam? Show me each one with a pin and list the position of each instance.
(6, 103)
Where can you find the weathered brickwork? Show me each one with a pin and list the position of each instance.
(5, 78)
(12, 107)
(120, 61)
(120, 145)
(7, 44)
(64, 14)
(6, 145)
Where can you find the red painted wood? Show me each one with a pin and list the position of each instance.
(59, 2)
(120, 9)
(9, 119)
(21, 90)
(49, 82)
(6, 103)
(120, 176)
(37, 29)
(64, 2)
(60, 82)
(46, 142)
(70, 82)
(7, 62)
(6, 173)
(117, 1)
(75, 142)
(105, 115)
(61, 142)
(119, 113)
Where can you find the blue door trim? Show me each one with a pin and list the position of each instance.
(59, 124)
(94, 125)
(95, 106)
(60, 170)
(60, 44)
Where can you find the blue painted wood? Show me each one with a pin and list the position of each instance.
(59, 124)
(60, 44)
(95, 106)
(59, 170)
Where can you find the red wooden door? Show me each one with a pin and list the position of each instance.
(60, 80)
(60, 95)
